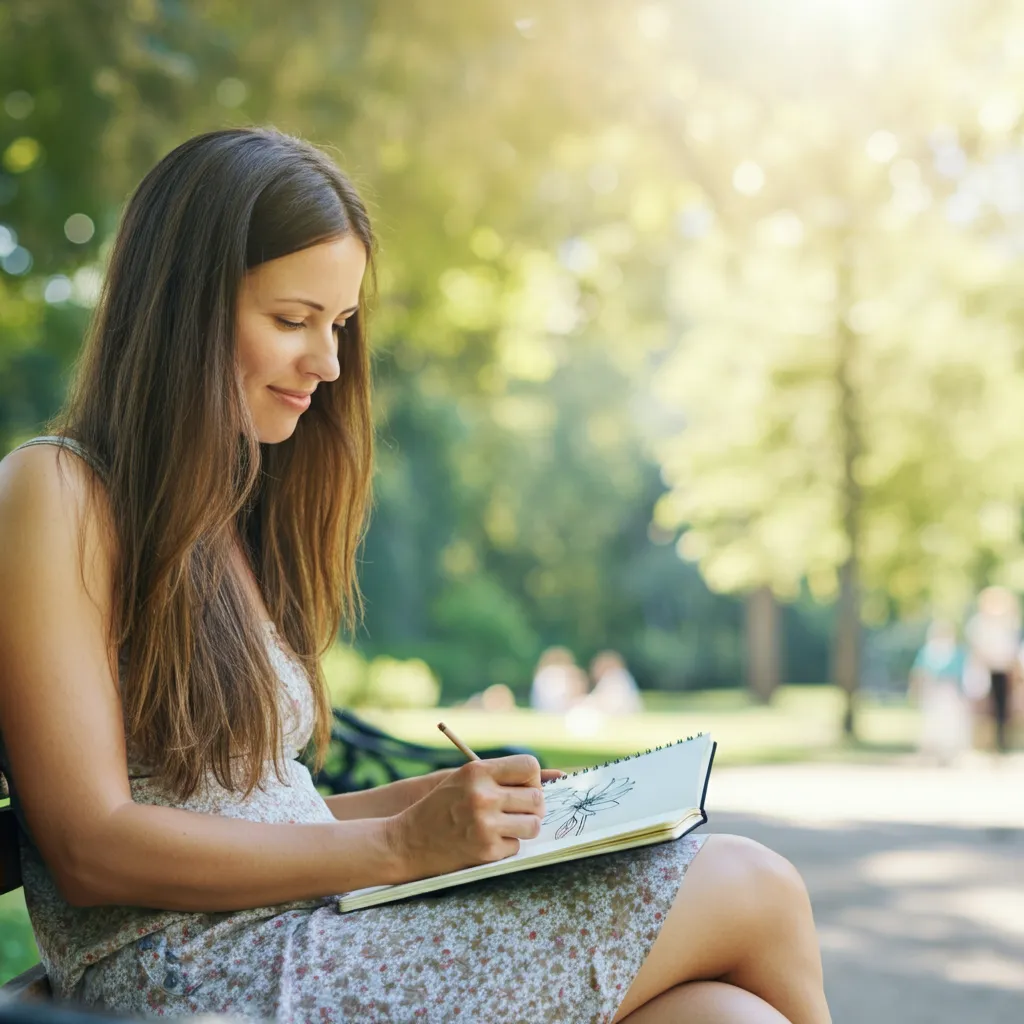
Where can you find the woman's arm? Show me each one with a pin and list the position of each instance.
(173, 859)
(61, 716)
(383, 801)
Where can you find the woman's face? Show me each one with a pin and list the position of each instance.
(289, 315)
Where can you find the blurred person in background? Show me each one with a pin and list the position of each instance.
(613, 694)
(614, 689)
(994, 638)
(936, 683)
(497, 697)
(558, 682)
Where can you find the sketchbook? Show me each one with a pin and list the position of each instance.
(649, 797)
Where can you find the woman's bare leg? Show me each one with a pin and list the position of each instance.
(706, 1002)
(742, 916)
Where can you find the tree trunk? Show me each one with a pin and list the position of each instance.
(846, 649)
(763, 644)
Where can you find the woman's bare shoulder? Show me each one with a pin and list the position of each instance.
(46, 484)
(54, 509)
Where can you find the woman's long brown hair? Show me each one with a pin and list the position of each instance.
(157, 399)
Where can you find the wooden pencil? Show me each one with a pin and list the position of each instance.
(455, 739)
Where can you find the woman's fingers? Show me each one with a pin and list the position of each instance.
(522, 800)
(520, 826)
(514, 770)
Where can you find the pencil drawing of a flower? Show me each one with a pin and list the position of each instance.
(575, 807)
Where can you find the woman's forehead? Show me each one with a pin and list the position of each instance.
(329, 274)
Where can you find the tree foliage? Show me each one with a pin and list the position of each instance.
(514, 491)
(747, 264)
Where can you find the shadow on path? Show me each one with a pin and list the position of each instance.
(919, 924)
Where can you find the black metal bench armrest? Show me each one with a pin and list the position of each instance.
(363, 756)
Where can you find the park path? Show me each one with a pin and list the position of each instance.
(916, 875)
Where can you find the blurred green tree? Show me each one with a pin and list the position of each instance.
(515, 490)
(848, 375)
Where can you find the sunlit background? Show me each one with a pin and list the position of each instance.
(699, 337)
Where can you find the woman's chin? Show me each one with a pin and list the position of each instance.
(280, 430)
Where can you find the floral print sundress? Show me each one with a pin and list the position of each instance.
(556, 944)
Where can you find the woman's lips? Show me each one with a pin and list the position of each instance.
(293, 401)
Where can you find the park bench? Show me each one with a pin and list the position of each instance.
(361, 756)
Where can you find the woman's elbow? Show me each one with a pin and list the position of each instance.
(81, 885)
(84, 876)
(78, 895)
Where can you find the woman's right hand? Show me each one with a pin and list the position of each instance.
(478, 813)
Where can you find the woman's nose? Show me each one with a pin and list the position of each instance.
(322, 359)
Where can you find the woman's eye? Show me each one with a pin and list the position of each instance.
(294, 325)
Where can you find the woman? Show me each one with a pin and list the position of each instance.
(181, 562)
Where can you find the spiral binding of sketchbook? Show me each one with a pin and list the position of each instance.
(651, 796)
(623, 758)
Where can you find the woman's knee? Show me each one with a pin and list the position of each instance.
(768, 924)
(760, 885)
(737, 897)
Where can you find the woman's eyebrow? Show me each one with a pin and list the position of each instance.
(317, 306)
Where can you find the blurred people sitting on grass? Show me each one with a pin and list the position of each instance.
(614, 695)
(936, 683)
(614, 689)
(994, 638)
(497, 697)
(558, 682)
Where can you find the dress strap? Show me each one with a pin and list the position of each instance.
(60, 441)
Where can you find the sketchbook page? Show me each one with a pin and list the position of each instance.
(634, 794)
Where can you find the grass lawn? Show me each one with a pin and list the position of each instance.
(802, 723)
(17, 946)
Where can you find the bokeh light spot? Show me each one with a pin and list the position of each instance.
(22, 154)
(58, 289)
(231, 92)
(18, 261)
(87, 283)
(748, 178)
(8, 240)
(19, 104)
(79, 228)
(882, 146)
